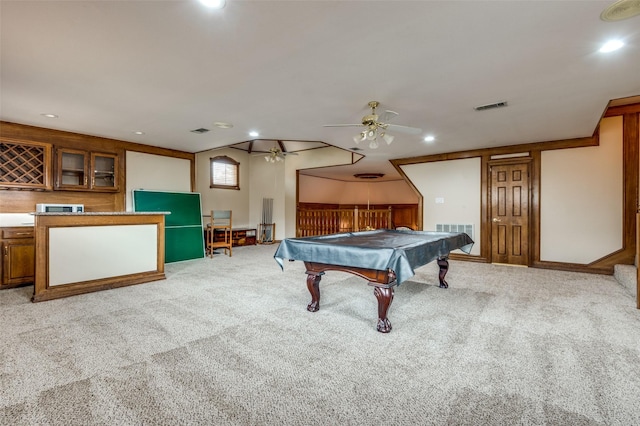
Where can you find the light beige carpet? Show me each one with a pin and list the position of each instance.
(228, 341)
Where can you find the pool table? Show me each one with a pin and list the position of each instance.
(385, 258)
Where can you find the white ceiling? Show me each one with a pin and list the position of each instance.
(286, 68)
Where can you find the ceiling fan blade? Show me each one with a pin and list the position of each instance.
(387, 115)
(342, 125)
(404, 129)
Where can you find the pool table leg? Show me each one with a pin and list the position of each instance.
(313, 284)
(443, 263)
(385, 297)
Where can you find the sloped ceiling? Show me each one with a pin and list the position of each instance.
(286, 68)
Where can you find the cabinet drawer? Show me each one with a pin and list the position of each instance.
(17, 233)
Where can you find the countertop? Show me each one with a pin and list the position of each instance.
(27, 219)
(99, 214)
(16, 219)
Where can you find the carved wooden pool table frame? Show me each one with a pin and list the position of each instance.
(382, 281)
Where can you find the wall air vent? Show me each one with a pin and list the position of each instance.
(200, 130)
(446, 227)
(491, 106)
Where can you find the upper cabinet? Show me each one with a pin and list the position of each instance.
(78, 170)
(25, 165)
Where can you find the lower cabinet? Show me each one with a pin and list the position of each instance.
(239, 236)
(18, 256)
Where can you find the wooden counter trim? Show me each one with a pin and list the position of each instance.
(43, 223)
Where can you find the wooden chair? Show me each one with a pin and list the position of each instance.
(221, 221)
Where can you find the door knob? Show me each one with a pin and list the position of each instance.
(495, 219)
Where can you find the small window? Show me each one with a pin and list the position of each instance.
(225, 173)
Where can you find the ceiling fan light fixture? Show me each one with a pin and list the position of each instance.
(371, 134)
(375, 125)
(387, 138)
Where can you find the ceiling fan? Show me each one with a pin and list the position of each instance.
(276, 154)
(376, 126)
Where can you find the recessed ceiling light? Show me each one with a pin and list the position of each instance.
(49, 115)
(214, 4)
(138, 133)
(611, 45)
(429, 138)
(254, 134)
(223, 125)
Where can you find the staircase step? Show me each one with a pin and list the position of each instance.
(626, 276)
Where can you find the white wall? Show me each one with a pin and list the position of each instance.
(458, 184)
(225, 199)
(324, 157)
(581, 199)
(330, 191)
(267, 181)
(260, 179)
(156, 172)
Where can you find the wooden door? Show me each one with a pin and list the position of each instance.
(510, 213)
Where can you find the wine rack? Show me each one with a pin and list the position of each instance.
(24, 165)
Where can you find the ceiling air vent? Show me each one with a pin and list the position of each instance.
(368, 175)
(622, 9)
(491, 106)
(200, 130)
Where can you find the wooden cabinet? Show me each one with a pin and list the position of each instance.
(239, 236)
(25, 165)
(78, 170)
(18, 256)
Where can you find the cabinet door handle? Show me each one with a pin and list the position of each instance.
(6, 250)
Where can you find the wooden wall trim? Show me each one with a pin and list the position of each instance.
(631, 173)
(622, 110)
(631, 158)
(535, 170)
(504, 150)
(24, 201)
(89, 142)
(415, 190)
(485, 208)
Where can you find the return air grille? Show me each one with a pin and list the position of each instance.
(446, 227)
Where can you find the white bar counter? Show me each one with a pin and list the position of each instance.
(84, 252)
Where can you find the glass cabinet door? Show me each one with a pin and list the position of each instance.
(72, 169)
(104, 169)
